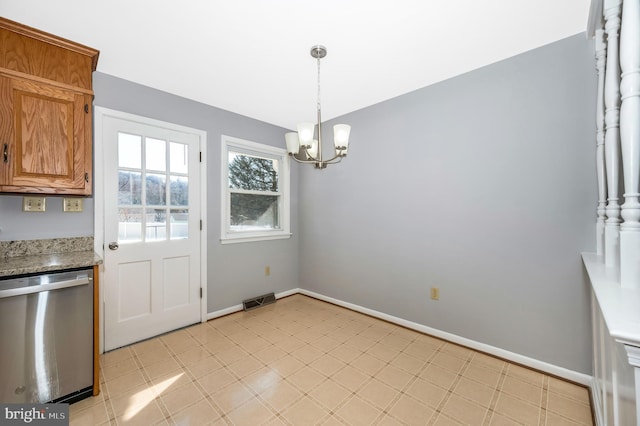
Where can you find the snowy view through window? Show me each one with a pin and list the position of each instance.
(153, 189)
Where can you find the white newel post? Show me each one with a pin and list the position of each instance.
(601, 55)
(630, 144)
(612, 133)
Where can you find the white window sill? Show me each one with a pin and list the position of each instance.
(253, 238)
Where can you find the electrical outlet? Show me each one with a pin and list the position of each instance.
(72, 204)
(435, 293)
(267, 271)
(33, 204)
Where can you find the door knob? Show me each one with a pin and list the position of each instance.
(113, 246)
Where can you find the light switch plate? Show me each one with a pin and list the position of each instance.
(33, 204)
(72, 204)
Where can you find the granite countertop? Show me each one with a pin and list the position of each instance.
(36, 256)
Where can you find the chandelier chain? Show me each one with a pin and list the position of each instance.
(318, 106)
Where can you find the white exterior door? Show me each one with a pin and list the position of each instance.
(152, 229)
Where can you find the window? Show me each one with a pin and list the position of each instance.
(153, 189)
(255, 191)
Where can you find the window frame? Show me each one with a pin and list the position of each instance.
(242, 146)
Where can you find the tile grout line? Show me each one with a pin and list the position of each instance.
(496, 394)
(158, 397)
(428, 362)
(238, 379)
(384, 410)
(110, 409)
(306, 365)
(543, 401)
(443, 401)
(225, 366)
(454, 385)
(193, 380)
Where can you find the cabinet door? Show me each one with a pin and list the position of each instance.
(49, 139)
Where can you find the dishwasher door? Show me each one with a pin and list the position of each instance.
(46, 335)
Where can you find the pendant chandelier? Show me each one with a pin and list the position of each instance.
(302, 146)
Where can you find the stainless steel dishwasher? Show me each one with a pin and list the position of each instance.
(46, 337)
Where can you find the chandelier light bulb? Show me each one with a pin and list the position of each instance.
(305, 134)
(312, 153)
(341, 136)
(293, 143)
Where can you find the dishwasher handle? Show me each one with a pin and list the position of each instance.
(44, 287)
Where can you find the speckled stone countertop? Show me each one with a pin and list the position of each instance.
(35, 256)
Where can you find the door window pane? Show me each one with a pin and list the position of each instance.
(179, 224)
(129, 151)
(156, 220)
(179, 191)
(156, 189)
(129, 224)
(178, 158)
(156, 154)
(129, 187)
(254, 212)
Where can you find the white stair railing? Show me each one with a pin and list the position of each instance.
(630, 144)
(612, 10)
(601, 55)
(617, 53)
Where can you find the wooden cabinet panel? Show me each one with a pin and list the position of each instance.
(45, 112)
(47, 144)
(42, 55)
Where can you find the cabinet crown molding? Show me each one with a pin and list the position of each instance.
(48, 38)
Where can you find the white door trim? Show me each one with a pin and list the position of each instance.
(100, 113)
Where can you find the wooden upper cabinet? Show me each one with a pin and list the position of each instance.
(45, 112)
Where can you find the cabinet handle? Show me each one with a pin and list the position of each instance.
(86, 177)
(5, 153)
(86, 108)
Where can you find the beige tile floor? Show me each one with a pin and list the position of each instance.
(302, 361)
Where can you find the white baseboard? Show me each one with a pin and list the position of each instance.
(222, 312)
(287, 293)
(237, 308)
(555, 370)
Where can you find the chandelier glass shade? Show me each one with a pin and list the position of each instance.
(302, 146)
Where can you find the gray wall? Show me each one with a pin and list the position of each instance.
(235, 271)
(482, 185)
(52, 223)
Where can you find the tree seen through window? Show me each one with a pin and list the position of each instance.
(251, 174)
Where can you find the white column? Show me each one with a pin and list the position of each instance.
(612, 133)
(630, 144)
(601, 55)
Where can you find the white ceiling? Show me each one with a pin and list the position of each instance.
(252, 56)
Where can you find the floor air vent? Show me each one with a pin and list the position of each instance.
(256, 302)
